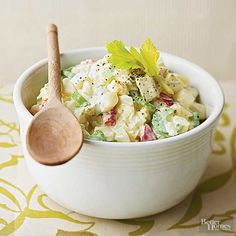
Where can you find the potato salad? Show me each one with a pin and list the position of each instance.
(129, 95)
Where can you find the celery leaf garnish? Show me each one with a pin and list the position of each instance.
(146, 59)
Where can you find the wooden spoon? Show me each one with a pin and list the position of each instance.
(54, 135)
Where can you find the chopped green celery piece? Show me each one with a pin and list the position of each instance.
(97, 135)
(195, 119)
(164, 85)
(158, 125)
(141, 101)
(163, 135)
(79, 100)
(67, 73)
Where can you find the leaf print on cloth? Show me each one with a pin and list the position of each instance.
(61, 232)
(219, 147)
(12, 161)
(214, 183)
(195, 205)
(208, 186)
(9, 134)
(5, 96)
(219, 138)
(194, 208)
(144, 226)
(233, 150)
(223, 217)
(24, 211)
(224, 119)
(9, 139)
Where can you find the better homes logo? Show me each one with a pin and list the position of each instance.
(214, 225)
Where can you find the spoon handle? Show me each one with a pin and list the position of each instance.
(54, 67)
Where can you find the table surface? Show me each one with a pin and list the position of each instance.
(26, 211)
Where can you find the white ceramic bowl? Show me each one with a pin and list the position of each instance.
(124, 180)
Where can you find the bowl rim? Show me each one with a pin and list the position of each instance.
(20, 107)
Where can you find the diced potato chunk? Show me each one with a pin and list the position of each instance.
(118, 87)
(108, 101)
(193, 91)
(87, 88)
(174, 83)
(200, 108)
(181, 111)
(121, 135)
(147, 87)
(108, 132)
(185, 97)
(184, 81)
(68, 87)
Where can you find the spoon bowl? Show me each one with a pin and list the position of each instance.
(55, 136)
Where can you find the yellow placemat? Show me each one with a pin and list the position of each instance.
(26, 211)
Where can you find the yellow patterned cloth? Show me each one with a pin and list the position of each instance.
(26, 211)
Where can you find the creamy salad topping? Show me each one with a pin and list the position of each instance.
(128, 96)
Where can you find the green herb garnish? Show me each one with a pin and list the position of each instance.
(97, 135)
(67, 73)
(195, 119)
(158, 124)
(141, 101)
(146, 59)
